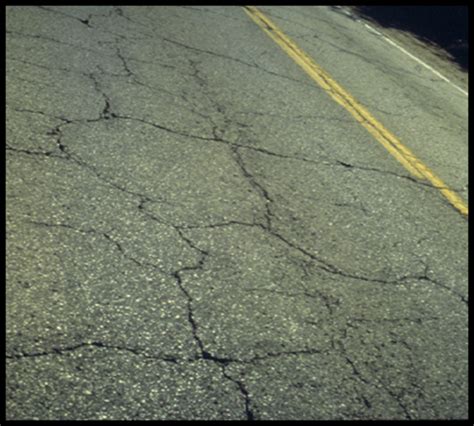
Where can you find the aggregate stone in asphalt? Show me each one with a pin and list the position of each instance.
(195, 230)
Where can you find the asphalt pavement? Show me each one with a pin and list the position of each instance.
(197, 230)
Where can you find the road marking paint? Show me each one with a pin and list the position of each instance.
(359, 112)
(372, 29)
(437, 73)
(393, 43)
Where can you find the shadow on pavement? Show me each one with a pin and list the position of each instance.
(445, 26)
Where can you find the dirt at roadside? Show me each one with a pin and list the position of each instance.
(429, 52)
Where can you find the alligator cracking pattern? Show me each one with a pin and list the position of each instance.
(241, 145)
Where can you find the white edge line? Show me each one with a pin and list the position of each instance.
(416, 59)
(372, 29)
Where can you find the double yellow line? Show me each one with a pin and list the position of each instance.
(358, 111)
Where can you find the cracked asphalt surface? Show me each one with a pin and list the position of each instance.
(195, 230)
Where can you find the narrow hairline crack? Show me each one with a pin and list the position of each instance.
(259, 188)
(329, 267)
(206, 356)
(96, 344)
(338, 163)
(104, 235)
(82, 21)
(254, 65)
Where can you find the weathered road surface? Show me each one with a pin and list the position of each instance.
(196, 230)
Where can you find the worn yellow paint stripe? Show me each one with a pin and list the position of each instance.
(358, 111)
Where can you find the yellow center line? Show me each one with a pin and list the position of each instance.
(391, 143)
